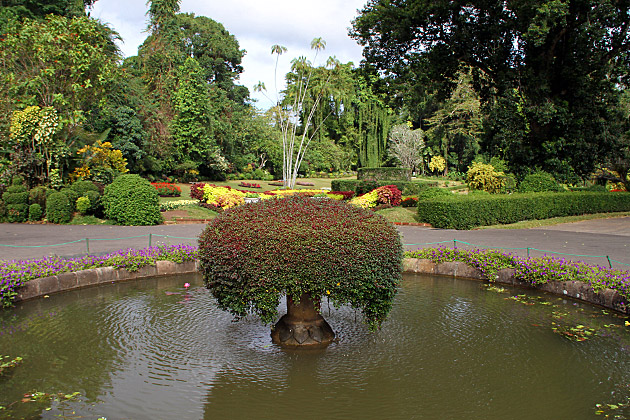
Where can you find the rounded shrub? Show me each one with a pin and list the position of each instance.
(83, 205)
(35, 212)
(481, 176)
(83, 187)
(251, 255)
(72, 195)
(132, 201)
(539, 182)
(58, 208)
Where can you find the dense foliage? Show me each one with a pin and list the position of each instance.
(58, 208)
(253, 254)
(547, 74)
(132, 200)
(481, 176)
(535, 271)
(467, 212)
(539, 182)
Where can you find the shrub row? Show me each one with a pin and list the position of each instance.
(466, 212)
(365, 186)
(384, 174)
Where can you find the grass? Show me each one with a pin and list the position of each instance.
(529, 224)
(195, 212)
(399, 214)
(89, 220)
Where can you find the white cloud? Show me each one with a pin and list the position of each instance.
(257, 25)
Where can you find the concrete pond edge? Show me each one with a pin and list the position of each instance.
(44, 286)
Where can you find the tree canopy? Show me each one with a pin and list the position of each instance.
(557, 62)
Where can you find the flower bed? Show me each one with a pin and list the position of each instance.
(166, 189)
(249, 185)
(535, 271)
(13, 274)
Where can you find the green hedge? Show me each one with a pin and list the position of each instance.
(364, 186)
(467, 212)
(384, 174)
(58, 208)
(132, 201)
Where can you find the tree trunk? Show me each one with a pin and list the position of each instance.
(303, 325)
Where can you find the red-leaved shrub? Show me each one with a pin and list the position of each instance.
(252, 255)
(389, 194)
(196, 191)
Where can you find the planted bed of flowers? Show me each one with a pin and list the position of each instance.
(166, 189)
(535, 271)
(14, 273)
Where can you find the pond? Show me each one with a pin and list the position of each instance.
(451, 349)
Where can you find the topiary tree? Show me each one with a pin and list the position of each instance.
(305, 249)
(132, 201)
(16, 199)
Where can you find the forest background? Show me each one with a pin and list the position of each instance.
(528, 86)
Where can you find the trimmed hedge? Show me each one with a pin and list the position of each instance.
(467, 212)
(16, 199)
(384, 174)
(58, 208)
(132, 201)
(364, 186)
(35, 212)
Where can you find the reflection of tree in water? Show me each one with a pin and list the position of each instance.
(62, 345)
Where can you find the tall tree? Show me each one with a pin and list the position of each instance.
(63, 63)
(192, 127)
(456, 126)
(563, 56)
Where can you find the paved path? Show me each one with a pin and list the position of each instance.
(601, 237)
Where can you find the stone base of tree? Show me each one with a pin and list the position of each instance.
(302, 326)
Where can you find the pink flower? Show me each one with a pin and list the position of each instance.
(186, 285)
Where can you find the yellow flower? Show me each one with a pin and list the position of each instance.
(327, 292)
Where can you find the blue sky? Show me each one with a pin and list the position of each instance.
(257, 25)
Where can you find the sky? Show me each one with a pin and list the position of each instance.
(257, 25)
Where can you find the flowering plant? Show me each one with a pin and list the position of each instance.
(535, 271)
(14, 273)
(166, 189)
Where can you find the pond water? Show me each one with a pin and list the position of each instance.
(451, 349)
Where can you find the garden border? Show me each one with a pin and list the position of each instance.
(44, 286)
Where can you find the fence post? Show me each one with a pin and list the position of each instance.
(609, 263)
(454, 243)
(150, 238)
(87, 245)
(527, 252)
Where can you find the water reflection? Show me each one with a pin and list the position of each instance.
(450, 350)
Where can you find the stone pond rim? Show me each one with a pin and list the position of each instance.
(43, 286)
